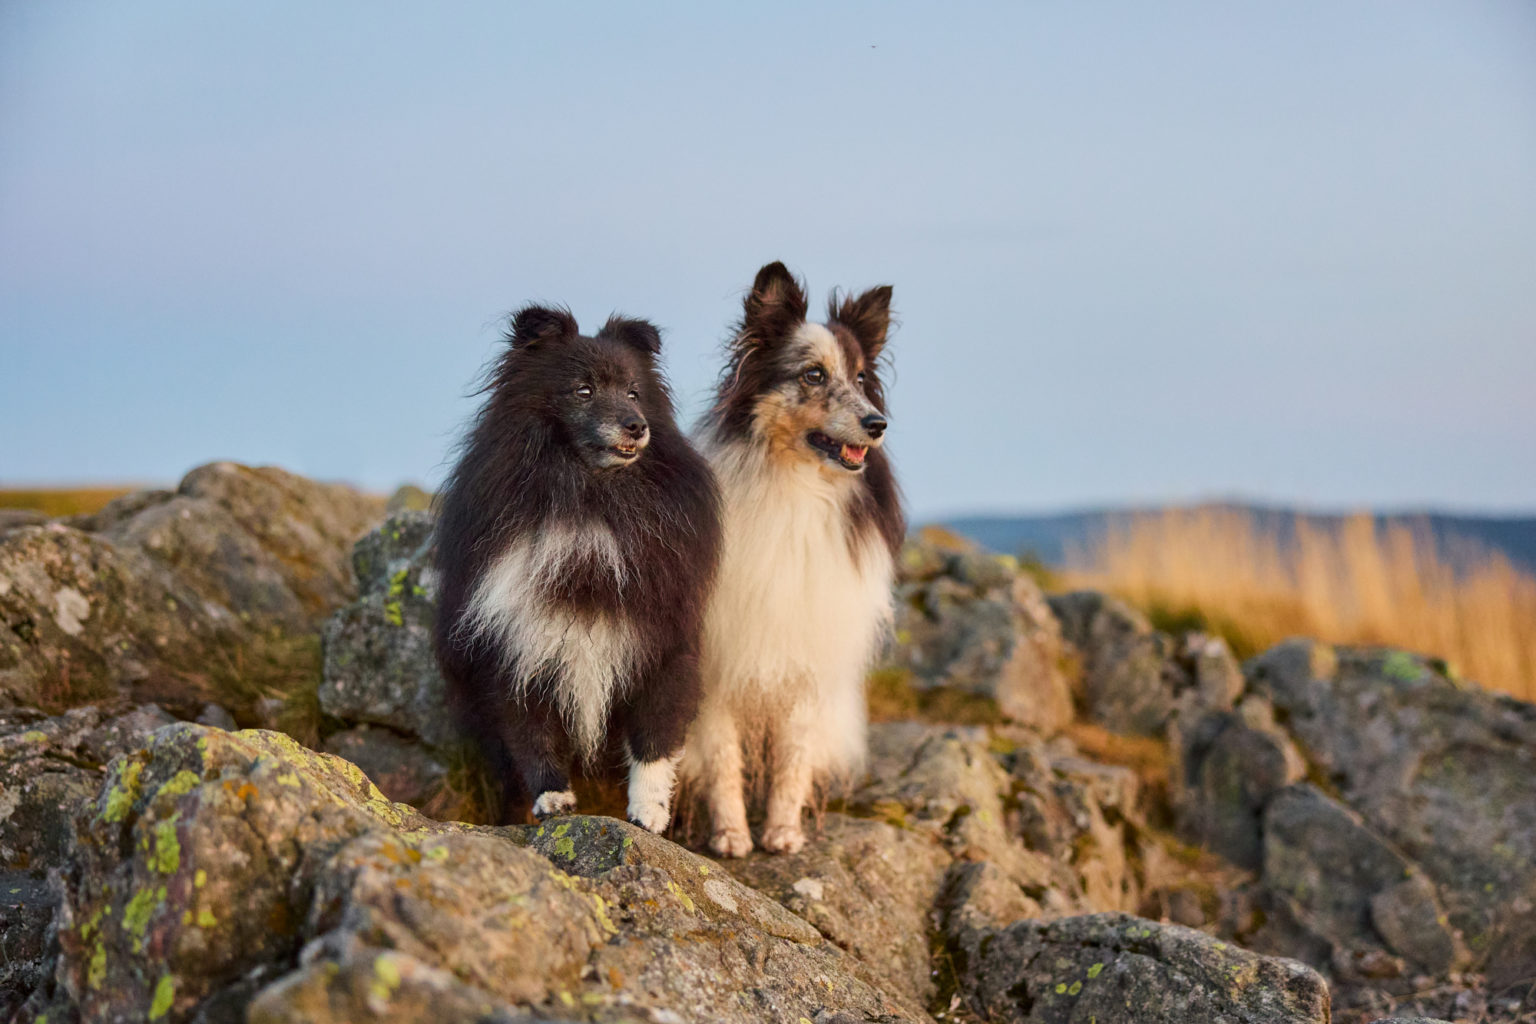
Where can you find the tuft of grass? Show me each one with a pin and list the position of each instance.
(67, 502)
(893, 696)
(1218, 570)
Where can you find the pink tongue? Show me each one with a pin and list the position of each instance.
(854, 453)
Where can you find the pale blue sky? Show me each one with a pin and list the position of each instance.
(1284, 251)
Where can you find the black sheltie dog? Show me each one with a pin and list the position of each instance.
(576, 545)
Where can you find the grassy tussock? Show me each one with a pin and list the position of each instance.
(80, 501)
(1356, 584)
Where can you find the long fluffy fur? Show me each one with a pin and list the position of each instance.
(803, 595)
(572, 597)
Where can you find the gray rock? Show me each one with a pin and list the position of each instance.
(50, 766)
(168, 596)
(1126, 663)
(1229, 765)
(403, 770)
(216, 716)
(14, 518)
(221, 874)
(27, 907)
(1112, 967)
(972, 622)
(379, 662)
(866, 886)
(1441, 771)
(1347, 885)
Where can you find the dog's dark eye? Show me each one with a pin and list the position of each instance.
(861, 379)
(634, 394)
(583, 391)
(814, 376)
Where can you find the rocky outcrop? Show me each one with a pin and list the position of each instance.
(1116, 967)
(1440, 771)
(174, 596)
(971, 622)
(219, 872)
(1358, 810)
(1385, 809)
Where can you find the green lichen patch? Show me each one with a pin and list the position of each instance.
(166, 857)
(122, 790)
(181, 783)
(164, 997)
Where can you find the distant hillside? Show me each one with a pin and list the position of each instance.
(1049, 537)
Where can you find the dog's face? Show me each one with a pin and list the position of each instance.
(809, 391)
(595, 390)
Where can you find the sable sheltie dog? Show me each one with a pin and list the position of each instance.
(576, 542)
(812, 525)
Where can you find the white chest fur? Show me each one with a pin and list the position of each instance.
(797, 613)
(585, 658)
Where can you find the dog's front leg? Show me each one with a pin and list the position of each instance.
(789, 783)
(658, 714)
(714, 753)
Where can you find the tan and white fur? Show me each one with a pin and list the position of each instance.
(803, 598)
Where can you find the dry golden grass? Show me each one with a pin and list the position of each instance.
(1355, 584)
(79, 501)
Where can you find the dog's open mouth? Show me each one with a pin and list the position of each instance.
(625, 451)
(849, 456)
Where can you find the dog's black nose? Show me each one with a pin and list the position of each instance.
(635, 427)
(874, 424)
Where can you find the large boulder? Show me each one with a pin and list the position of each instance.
(973, 622)
(1114, 967)
(1349, 887)
(868, 887)
(1439, 770)
(174, 596)
(1126, 684)
(220, 873)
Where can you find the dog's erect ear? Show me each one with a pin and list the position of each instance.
(775, 306)
(868, 316)
(638, 334)
(534, 325)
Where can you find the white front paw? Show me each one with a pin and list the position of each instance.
(651, 816)
(783, 839)
(650, 792)
(731, 842)
(552, 802)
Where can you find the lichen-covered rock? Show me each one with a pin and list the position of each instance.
(196, 864)
(82, 619)
(1126, 663)
(50, 766)
(161, 594)
(379, 662)
(1060, 826)
(402, 769)
(223, 873)
(1441, 771)
(947, 783)
(267, 544)
(1229, 765)
(971, 621)
(27, 907)
(1347, 885)
(1114, 967)
(867, 886)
